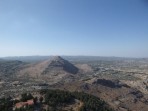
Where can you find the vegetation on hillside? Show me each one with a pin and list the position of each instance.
(55, 100)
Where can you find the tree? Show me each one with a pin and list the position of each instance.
(35, 100)
(29, 96)
(26, 97)
(41, 99)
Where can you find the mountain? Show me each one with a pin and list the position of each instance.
(58, 63)
(56, 67)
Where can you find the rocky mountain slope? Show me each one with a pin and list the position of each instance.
(60, 64)
(53, 69)
(118, 95)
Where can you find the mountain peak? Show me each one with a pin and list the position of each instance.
(57, 63)
(56, 58)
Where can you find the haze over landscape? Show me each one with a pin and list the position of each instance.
(74, 55)
(74, 27)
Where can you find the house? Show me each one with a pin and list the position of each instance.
(24, 104)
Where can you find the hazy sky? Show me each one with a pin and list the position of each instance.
(74, 27)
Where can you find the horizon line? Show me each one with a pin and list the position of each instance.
(70, 56)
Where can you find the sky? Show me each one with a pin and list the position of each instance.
(74, 27)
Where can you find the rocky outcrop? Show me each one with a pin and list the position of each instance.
(113, 83)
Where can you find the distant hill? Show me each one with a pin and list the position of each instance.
(70, 58)
(7, 68)
(27, 58)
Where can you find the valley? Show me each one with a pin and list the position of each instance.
(121, 82)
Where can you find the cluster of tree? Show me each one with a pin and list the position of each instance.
(25, 97)
(91, 103)
(56, 98)
(6, 104)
